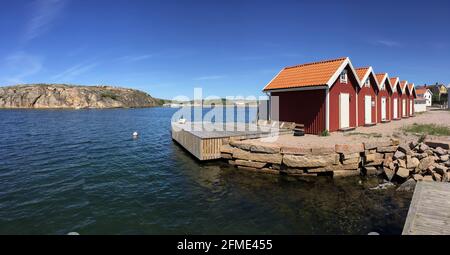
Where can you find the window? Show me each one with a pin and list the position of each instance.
(382, 87)
(344, 76)
(367, 83)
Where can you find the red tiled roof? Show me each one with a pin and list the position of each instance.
(306, 75)
(361, 72)
(380, 77)
(421, 91)
(403, 84)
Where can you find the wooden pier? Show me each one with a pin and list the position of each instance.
(429, 212)
(203, 140)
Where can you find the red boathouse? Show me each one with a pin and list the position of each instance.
(412, 96)
(367, 97)
(321, 95)
(405, 99)
(396, 98)
(384, 98)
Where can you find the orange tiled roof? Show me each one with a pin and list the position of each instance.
(421, 91)
(361, 72)
(306, 75)
(393, 80)
(403, 84)
(380, 77)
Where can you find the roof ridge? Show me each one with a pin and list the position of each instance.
(364, 67)
(317, 62)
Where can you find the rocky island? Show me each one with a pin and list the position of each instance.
(48, 96)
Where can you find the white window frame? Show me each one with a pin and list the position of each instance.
(367, 82)
(343, 77)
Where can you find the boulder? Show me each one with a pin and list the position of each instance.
(421, 155)
(350, 156)
(408, 185)
(376, 162)
(373, 157)
(386, 149)
(425, 163)
(387, 161)
(422, 147)
(271, 149)
(401, 163)
(261, 157)
(447, 164)
(404, 148)
(444, 158)
(418, 177)
(241, 145)
(402, 172)
(322, 150)
(254, 164)
(351, 161)
(388, 155)
(345, 173)
(370, 170)
(226, 149)
(395, 142)
(440, 151)
(310, 160)
(295, 150)
(349, 148)
(226, 156)
(412, 163)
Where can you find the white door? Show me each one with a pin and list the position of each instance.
(344, 110)
(367, 109)
(403, 107)
(395, 108)
(383, 108)
(411, 107)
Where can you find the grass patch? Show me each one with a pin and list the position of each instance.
(428, 129)
(366, 135)
(325, 133)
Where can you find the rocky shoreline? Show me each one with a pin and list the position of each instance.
(62, 96)
(401, 163)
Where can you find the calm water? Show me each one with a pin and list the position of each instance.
(64, 170)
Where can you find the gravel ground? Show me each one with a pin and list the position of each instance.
(392, 129)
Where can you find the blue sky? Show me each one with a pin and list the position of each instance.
(228, 48)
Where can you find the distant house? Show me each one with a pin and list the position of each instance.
(321, 95)
(384, 98)
(396, 98)
(367, 96)
(426, 94)
(438, 91)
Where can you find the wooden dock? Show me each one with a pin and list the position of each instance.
(429, 212)
(203, 140)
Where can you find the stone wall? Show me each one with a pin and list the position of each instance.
(389, 158)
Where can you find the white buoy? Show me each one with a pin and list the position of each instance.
(135, 134)
(73, 234)
(373, 234)
(182, 121)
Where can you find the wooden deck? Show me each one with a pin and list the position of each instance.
(429, 212)
(203, 140)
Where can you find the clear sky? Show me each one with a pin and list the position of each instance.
(228, 48)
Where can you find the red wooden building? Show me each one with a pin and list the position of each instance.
(367, 97)
(384, 98)
(412, 96)
(396, 98)
(405, 99)
(321, 95)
